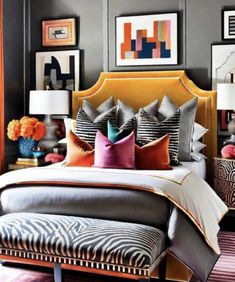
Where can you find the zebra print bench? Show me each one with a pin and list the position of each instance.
(85, 244)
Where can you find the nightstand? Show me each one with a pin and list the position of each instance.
(224, 180)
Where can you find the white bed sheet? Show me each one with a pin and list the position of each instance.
(199, 167)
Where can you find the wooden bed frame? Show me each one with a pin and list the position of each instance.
(138, 89)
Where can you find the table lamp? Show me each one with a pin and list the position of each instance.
(48, 103)
(226, 101)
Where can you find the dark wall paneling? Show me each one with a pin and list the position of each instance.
(13, 65)
(199, 27)
(90, 33)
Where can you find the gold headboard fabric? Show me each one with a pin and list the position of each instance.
(138, 89)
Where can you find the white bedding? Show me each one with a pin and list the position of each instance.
(185, 189)
(199, 167)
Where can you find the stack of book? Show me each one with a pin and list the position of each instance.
(27, 162)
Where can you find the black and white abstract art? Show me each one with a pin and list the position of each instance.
(57, 70)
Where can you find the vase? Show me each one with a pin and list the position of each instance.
(25, 146)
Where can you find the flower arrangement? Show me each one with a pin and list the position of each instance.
(27, 127)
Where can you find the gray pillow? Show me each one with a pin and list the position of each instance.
(126, 112)
(92, 113)
(187, 117)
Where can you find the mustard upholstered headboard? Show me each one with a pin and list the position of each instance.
(140, 88)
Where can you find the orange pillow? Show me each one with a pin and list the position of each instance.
(153, 155)
(79, 152)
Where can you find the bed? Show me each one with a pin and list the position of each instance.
(147, 197)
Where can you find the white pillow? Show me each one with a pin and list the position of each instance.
(69, 125)
(197, 146)
(198, 131)
(198, 156)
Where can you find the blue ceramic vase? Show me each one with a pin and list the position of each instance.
(25, 146)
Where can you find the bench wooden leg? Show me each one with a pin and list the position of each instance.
(162, 270)
(57, 273)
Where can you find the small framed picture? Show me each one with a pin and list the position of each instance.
(147, 40)
(57, 69)
(60, 32)
(228, 24)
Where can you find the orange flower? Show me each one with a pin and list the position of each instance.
(32, 121)
(13, 130)
(23, 119)
(27, 127)
(39, 131)
(26, 130)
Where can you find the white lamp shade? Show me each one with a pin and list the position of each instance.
(226, 96)
(49, 102)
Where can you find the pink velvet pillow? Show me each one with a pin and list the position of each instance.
(120, 154)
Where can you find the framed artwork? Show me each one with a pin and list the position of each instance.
(58, 70)
(228, 24)
(61, 32)
(222, 71)
(147, 40)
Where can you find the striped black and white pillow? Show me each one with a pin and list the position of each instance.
(86, 129)
(130, 125)
(149, 129)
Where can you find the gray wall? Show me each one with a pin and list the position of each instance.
(203, 27)
(90, 33)
(199, 26)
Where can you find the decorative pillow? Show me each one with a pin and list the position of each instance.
(92, 113)
(115, 155)
(86, 128)
(149, 129)
(125, 112)
(187, 113)
(115, 133)
(154, 155)
(79, 153)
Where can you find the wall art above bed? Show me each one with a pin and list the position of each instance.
(146, 40)
(57, 69)
(222, 71)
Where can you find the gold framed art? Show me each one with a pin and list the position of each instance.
(59, 32)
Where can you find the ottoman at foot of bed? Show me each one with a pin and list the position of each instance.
(106, 247)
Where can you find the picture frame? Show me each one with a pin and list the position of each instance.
(58, 70)
(222, 71)
(59, 32)
(147, 40)
(228, 24)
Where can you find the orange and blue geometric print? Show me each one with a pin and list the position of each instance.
(144, 47)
